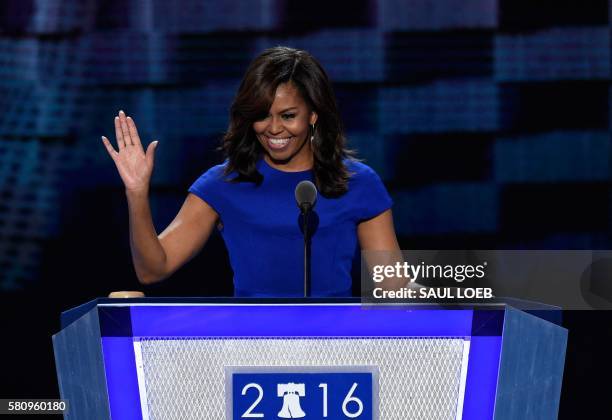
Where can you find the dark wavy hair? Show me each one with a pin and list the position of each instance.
(253, 100)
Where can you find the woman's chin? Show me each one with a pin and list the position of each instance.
(279, 157)
(283, 154)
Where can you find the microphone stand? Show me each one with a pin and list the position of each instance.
(305, 210)
(306, 197)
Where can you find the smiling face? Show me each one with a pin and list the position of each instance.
(284, 132)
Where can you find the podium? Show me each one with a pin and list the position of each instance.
(172, 358)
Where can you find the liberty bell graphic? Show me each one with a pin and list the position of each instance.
(291, 394)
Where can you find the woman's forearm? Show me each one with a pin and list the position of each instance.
(148, 255)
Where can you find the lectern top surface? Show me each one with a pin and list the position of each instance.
(544, 311)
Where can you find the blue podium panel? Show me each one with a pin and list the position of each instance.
(213, 360)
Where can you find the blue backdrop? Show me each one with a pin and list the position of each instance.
(488, 120)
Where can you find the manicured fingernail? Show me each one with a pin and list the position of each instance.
(121, 112)
(102, 138)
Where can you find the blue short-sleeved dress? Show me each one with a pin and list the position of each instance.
(261, 229)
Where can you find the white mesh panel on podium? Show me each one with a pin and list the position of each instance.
(419, 377)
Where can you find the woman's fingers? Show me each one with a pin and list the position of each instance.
(133, 132)
(109, 148)
(119, 134)
(124, 129)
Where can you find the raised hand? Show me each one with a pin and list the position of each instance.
(135, 166)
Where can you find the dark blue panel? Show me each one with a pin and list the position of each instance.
(529, 14)
(422, 56)
(195, 58)
(528, 107)
(416, 159)
(115, 321)
(111, 14)
(574, 53)
(317, 14)
(443, 106)
(558, 156)
(200, 16)
(488, 322)
(530, 209)
(16, 14)
(358, 104)
(451, 208)
(439, 15)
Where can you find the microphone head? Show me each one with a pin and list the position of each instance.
(306, 195)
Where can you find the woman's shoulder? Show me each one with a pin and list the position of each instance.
(213, 177)
(216, 172)
(359, 170)
(367, 191)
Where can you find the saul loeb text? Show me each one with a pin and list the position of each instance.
(434, 293)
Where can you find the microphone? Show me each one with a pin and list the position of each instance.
(306, 198)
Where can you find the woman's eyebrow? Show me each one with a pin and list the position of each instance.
(288, 109)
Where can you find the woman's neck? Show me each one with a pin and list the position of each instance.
(298, 163)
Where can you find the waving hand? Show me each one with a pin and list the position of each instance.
(134, 165)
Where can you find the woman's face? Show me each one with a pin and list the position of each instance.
(284, 133)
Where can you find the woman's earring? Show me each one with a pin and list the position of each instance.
(313, 131)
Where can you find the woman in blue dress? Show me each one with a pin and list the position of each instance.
(284, 128)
